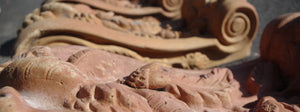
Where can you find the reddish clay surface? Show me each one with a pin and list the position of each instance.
(75, 78)
(189, 34)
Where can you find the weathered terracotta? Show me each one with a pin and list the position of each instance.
(88, 79)
(191, 34)
(76, 78)
(277, 78)
(50, 72)
(280, 45)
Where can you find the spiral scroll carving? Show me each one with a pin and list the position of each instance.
(237, 27)
(172, 5)
(174, 32)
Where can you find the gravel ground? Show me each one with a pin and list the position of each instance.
(12, 13)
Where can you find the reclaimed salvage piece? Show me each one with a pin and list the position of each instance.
(76, 78)
(86, 79)
(190, 34)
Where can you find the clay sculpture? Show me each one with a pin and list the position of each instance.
(88, 80)
(190, 34)
(62, 77)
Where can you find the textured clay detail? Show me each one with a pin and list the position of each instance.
(63, 77)
(94, 80)
(190, 34)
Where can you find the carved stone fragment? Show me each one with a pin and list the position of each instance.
(86, 79)
(190, 34)
(278, 79)
(63, 77)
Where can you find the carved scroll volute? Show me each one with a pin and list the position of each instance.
(171, 5)
(234, 23)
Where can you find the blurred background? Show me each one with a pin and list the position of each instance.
(12, 13)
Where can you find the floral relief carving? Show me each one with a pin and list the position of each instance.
(138, 55)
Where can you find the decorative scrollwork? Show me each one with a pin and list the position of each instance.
(165, 31)
(236, 24)
(172, 5)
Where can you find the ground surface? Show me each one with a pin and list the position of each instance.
(12, 13)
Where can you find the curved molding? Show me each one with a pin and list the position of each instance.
(229, 27)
